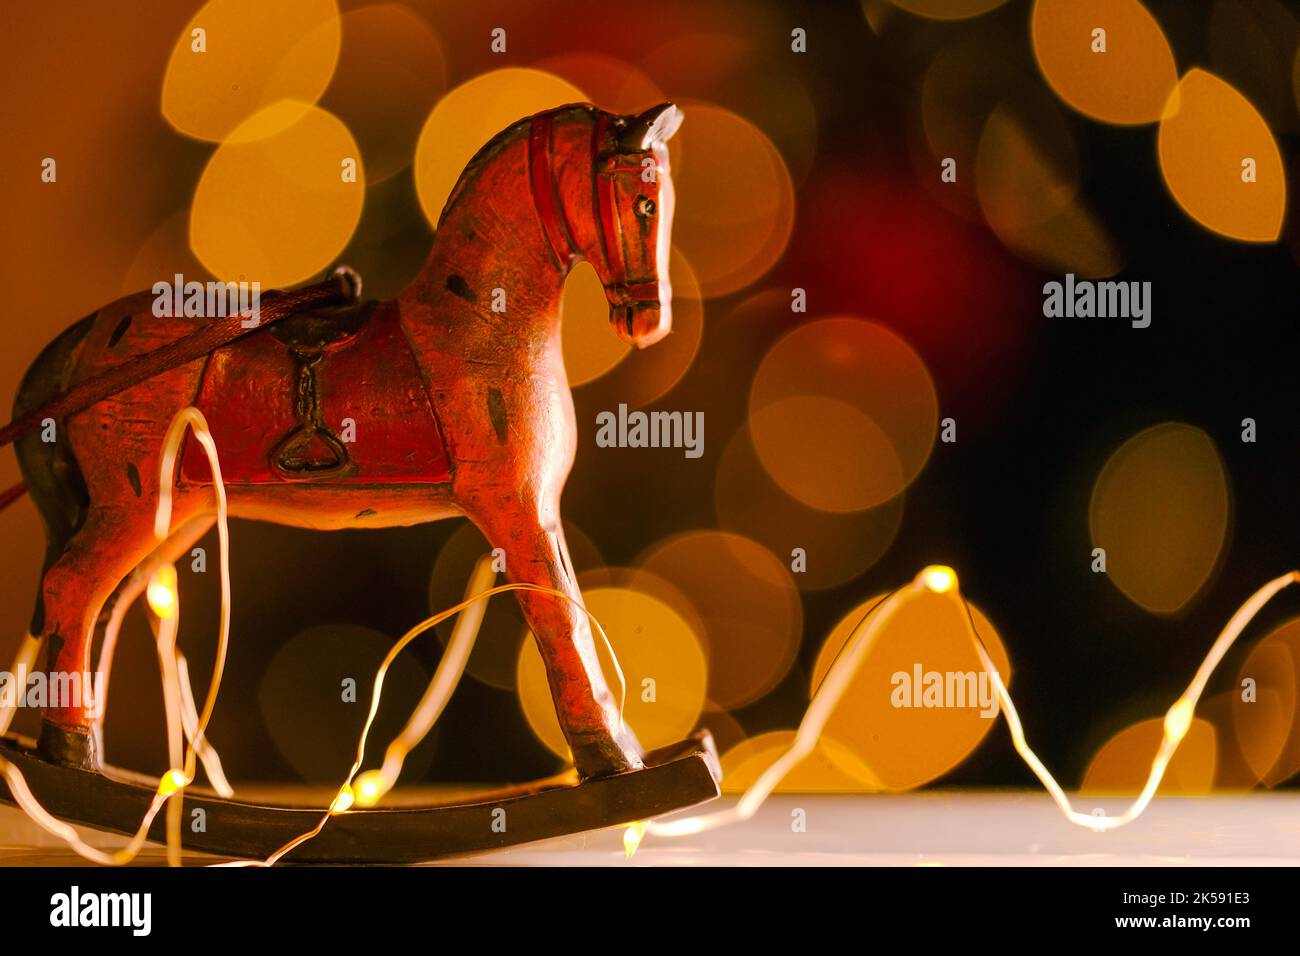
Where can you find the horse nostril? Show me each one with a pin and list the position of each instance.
(628, 316)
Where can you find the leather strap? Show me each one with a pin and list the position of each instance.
(545, 199)
(341, 287)
(606, 166)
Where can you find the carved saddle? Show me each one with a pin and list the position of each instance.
(330, 396)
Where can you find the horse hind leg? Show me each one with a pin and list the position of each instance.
(74, 590)
(536, 553)
(110, 618)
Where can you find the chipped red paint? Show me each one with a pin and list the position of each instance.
(368, 377)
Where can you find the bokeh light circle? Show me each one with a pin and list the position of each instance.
(610, 83)
(1253, 45)
(830, 768)
(1126, 84)
(948, 9)
(469, 116)
(1264, 719)
(1122, 765)
(1028, 192)
(908, 746)
(1208, 132)
(641, 378)
(837, 547)
(735, 199)
(748, 605)
(301, 698)
(275, 207)
(737, 71)
(1160, 510)
(662, 661)
(391, 71)
(589, 346)
(256, 54)
(843, 414)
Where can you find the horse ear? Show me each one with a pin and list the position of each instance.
(655, 125)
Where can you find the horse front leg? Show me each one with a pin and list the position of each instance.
(536, 553)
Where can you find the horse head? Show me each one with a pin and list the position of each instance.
(603, 192)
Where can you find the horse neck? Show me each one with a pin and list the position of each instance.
(489, 247)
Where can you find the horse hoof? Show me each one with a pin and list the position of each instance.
(610, 755)
(69, 748)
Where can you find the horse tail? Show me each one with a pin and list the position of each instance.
(10, 495)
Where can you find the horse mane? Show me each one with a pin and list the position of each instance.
(488, 152)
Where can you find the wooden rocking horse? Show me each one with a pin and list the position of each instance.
(454, 408)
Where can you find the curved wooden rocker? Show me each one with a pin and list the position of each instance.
(673, 778)
(455, 408)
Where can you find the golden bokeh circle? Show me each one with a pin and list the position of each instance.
(746, 601)
(843, 414)
(830, 768)
(947, 9)
(735, 199)
(907, 746)
(610, 84)
(1128, 83)
(255, 55)
(1208, 133)
(1160, 510)
(315, 729)
(277, 207)
(1122, 764)
(589, 345)
(391, 71)
(639, 377)
(836, 547)
(662, 661)
(1263, 720)
(1027, 186)
(472, 114)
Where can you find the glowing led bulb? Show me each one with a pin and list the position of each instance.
(632, 837)
(371, 787)
(161, 592)
(172, 781)
(938, 578)
(343, 802)
(1179, 719)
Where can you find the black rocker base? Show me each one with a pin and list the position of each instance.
(674, 778)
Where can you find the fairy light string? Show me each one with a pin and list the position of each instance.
(939, 579)
(367, 789)
(346, 796)
(175, 780)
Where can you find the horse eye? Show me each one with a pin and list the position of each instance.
(645, 207)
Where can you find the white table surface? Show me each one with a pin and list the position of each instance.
(967, 828)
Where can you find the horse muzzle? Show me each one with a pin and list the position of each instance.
(641, 323)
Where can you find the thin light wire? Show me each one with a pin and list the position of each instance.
(1178, 718)
(848, 661)
(829, 693)
(174, 781)
(345, 797)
